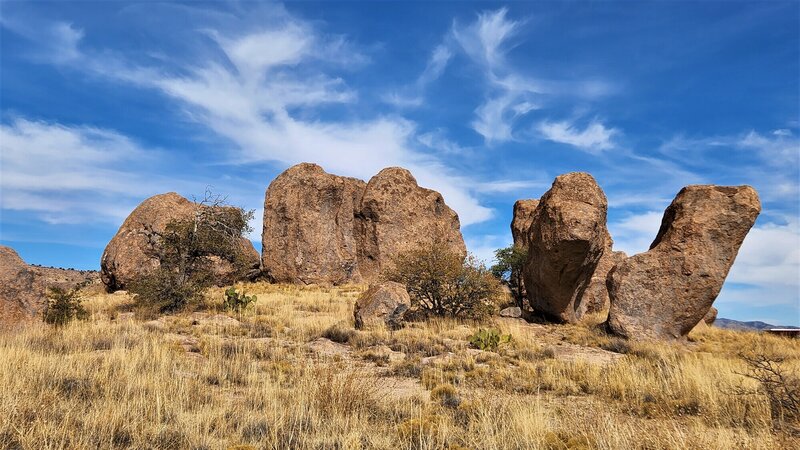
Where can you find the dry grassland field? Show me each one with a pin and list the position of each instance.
(292, 372)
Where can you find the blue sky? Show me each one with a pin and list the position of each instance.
(107, 103)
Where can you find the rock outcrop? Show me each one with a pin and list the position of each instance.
(383, 303)
(567, 239)
(666, 291)
(521, 223)
(326, 229)
(309, 227)
(128, 257)
(595, 298)
(23, 288)
(397, 215)
(711, 316)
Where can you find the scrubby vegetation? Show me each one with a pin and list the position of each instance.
(186, 252)
(443, 282)
(64, 306)
(508, 269)
(267, 379)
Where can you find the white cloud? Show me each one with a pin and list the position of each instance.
(436, 65)
(486, 39)
(253, 97)
(634, 233)
(594, 138)
(70, 174)
(510, 95)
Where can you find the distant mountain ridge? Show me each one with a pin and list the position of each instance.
(753, 325)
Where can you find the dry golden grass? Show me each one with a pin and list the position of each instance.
(199, 381)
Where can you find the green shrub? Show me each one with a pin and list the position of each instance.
(237, 302)
(186, 251)
(489, 339)
(64, 306)
(443, 282)
(510, 261)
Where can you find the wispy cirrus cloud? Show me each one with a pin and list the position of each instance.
(72, 174)
(263, 94)
(594, 138)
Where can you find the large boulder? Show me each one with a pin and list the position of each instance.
(397, 215)
(567, 238)
(23, 288)
(521, 223)
(326, 229)
(309, 227)
(383, 303)
(128, 256)
(595, 298)
(666, 291)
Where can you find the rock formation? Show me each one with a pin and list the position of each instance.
(521, 223)
(325, 229)
(711, 316)
(127, 255)
(567, 239)
(309, 227)
(595, 298)
(397, 215)
(385, 303)
(666, 291)
(23, 288)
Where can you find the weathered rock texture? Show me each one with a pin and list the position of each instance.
(325, 229)
(567, 239)
(383, 303)
(309, 225)
(666, 291)
(711, 316)
(595, 298)
(126, 256)
(397, 215)
(23, 287)
(521, 223)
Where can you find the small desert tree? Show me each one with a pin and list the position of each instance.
(508, 269)
(64, 306)
(187, 250)
(441, 281)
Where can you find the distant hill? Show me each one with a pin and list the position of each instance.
(754, 325)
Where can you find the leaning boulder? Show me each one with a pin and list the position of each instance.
(521, 222)
(666, 291)
(397, 215)
(383, 303)
(567, 238)
(129, 254)
(309, 227)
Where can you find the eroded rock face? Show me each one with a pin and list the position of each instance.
(309, 227)
(325, 229)
(383, 303)
(595, 298)
(567, 238)
(521, 223)
(666, 291)
(711, 316)
(23, 288)
(397, 215)
(126, 256)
